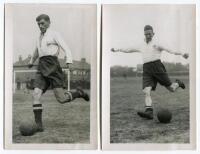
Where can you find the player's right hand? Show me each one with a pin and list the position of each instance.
(113, 50)
(186, 55)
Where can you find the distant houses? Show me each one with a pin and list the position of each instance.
(24, 77)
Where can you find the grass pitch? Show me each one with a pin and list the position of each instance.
(63, 123)
(127, 127)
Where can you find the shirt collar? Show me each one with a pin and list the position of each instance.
(47, 31)
(150, 41)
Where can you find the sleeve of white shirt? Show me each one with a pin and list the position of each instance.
(64, 47)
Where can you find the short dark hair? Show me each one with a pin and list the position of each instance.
(43, 16)
(148, 27)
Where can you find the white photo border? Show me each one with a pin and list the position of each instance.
(8, 67)
(105, 96)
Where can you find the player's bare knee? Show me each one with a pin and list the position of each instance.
(147, 91)
(37, 94)
(60, 95)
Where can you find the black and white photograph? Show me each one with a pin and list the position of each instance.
(148, 76)
(50, 75)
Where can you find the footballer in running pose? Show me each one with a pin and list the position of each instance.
(49, 44)
(153, 69)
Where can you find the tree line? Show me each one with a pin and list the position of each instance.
(126, 71)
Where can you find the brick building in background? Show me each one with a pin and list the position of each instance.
(24, 76)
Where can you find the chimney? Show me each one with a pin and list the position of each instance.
(83, 60)
(20, 58)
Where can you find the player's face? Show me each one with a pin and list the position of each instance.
(148, 35)
(43, 25)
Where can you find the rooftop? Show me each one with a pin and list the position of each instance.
(82, 64)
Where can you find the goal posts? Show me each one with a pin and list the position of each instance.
(22, 74)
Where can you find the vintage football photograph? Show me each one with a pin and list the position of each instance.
(151, 50)
(52, 48)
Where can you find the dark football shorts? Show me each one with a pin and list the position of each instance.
(49, 73)
(153, 73)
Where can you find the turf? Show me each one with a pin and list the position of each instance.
(63, 123)
(127, 98)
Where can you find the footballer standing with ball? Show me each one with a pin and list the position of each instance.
(153, 69)
(49, 44)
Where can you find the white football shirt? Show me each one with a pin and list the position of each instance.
(50, 43)
(149, 51)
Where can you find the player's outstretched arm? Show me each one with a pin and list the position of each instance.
(124, 50)
(184, 55)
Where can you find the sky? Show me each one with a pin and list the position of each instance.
(123, 27)
(75, 23)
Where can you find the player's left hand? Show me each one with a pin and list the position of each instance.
(68, 65)
(185, 55)
(114, 50)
